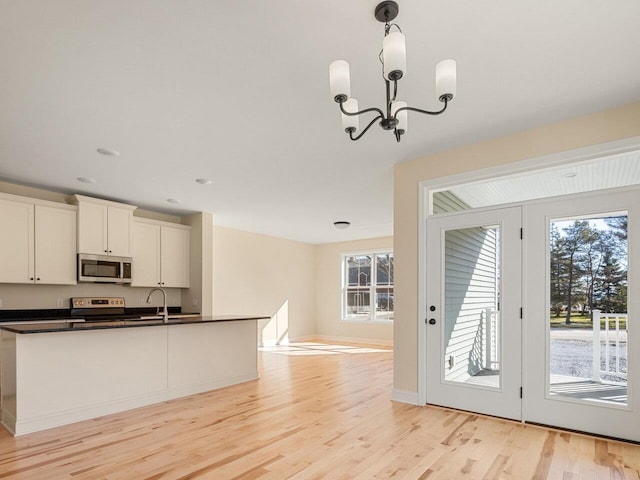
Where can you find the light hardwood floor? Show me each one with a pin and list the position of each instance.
(317, 412)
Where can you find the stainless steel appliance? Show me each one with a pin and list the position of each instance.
(96, 307)
(103, 269)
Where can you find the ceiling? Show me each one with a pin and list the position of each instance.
(237, 92)
(613, 171)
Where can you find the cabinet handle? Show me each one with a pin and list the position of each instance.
(30, 278)
(109, 251)
(106, 251)
(38, 279)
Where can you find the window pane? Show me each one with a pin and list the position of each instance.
(358, 302)
(588, 318)
(384, 269)
(384, 303)
(359, 271)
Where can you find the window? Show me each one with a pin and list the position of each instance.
(367, 286)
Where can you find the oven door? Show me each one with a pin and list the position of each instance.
(99, 269)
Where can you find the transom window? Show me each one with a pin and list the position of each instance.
(367, 286)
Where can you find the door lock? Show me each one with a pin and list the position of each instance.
(432, 321)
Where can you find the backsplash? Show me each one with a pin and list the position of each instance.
(19, 297)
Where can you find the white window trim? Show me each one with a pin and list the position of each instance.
(372, 320)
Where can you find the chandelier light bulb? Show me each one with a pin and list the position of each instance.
(446, 79)
(339, 80)
(394, 56)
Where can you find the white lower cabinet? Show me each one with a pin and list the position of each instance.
(160, 252)
(39, 245)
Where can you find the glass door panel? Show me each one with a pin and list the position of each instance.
(471, 306)
(580, 331)
(588, 320)
(474, 274)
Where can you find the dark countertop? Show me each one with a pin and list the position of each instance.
(70, 325)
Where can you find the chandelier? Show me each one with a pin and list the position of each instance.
(394, 66)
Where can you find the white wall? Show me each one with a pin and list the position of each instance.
(580, 132)
(263, 275)
(199, 297)
(328, 278)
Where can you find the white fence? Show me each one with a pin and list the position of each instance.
(491, 339)
(615, 341)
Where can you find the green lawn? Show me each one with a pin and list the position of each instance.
(583, 321)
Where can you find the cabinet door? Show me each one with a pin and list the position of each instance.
(55, 245)
(145, 250)
(16, 242)
(174, 254)
(119, 231)
(92, 228)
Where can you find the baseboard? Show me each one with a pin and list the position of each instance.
(404, 396)
(331, 338)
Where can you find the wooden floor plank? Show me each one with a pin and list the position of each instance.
(317, 412)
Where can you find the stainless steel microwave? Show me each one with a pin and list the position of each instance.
(103, 269)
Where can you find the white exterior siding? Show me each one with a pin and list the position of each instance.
(471, 287)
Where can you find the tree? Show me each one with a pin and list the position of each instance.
(574, 242)
(611, 288)
(590, 238)
(557, 270)
(588, 264)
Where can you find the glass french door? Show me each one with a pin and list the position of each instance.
(581, 361)
(474, 265)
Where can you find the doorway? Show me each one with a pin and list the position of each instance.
(581, 334)
(528, 315)
(473, 322)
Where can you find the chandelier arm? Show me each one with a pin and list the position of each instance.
(366, 110)
(388, 86)
(365, 130)
(426, 112)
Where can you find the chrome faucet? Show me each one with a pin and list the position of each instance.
(165, 313)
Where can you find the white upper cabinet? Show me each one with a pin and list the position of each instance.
(104, 227)
(39, 245)
(55, 250)
(16, 242)
(160, 252)
(174, 256)
(145, 267)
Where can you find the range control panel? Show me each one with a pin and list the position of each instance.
(97, 302)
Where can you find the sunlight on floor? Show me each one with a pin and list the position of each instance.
(311, 348)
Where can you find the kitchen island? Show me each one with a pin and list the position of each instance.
(60, 373)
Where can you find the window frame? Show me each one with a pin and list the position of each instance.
(373, 317)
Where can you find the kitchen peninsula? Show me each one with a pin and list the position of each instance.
(56, 374)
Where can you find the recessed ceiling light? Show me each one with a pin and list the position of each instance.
(86, 180)
(341, 225)
(173, 200)
(108, 152)
(204, 181)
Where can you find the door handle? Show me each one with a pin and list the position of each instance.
(432, 321)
